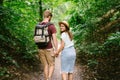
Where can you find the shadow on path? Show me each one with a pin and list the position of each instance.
(37, 73)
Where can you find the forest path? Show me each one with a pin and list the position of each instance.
(57, 76)
(37, 73)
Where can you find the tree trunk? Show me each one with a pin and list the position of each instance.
(110, 13)
(108, 26)
(1, 2)
(40, 10)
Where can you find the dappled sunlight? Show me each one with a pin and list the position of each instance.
(96, 29)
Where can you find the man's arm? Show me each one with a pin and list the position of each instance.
(55, 42)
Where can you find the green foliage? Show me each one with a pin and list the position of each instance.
(17, 21)
(96, 49)
(113, 43)
(3, 71)
(92, 63)
(113, 39)
(100, 51)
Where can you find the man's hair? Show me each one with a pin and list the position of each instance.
(47, 13)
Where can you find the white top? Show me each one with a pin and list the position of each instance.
(65, 37)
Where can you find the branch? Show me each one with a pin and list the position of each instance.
(110, 13)
(109, 25)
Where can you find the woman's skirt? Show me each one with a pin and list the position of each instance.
(68, 56)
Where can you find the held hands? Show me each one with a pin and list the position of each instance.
(56, 53)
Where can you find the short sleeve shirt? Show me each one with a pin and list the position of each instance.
(51, 30)
(65, 37)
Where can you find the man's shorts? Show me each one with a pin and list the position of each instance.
(47, 56)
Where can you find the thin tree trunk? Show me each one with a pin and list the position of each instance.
(40, 10)
(1, 8)
(108, 26)
(1, 2)
(110, 13)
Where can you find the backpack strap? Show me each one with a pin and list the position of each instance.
(49, 23)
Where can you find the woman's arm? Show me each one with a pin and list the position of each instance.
(60, 48)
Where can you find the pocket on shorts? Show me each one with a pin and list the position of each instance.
(51, 52)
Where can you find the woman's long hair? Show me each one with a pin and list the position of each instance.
(69, 33)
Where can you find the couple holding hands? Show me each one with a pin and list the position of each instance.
(68, 55)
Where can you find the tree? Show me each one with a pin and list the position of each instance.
(1, 2)
(40, 9)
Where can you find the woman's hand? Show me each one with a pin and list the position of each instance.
(57, 53)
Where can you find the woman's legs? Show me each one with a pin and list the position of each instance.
(70, 76)
(67, 76)
(64, 76)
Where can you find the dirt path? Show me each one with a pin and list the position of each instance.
(56, 76)
(37, 73)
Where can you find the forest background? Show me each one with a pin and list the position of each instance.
(95, 25)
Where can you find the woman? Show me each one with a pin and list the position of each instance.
(68, 54)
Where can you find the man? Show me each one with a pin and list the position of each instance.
(47, 54)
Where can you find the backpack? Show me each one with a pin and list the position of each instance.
(41, 36)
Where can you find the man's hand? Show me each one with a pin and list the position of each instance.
(56, 53)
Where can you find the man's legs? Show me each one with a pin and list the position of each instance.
(46, 72)
(42, 55)
(51, 70)
(51, 62)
